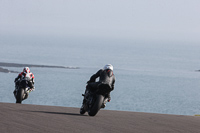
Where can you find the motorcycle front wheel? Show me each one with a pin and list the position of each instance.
(19, 96)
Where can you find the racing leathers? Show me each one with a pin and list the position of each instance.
(106, 77)
(23, 75)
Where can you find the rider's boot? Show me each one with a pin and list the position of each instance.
(104, 103)
(26, 96)
(107, 99)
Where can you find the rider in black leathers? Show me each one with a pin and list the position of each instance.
(106, 77)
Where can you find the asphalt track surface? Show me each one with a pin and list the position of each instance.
(24, 118)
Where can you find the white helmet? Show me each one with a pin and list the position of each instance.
(108, 66)
(26, 70)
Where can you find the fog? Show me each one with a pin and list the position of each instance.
(134, 20)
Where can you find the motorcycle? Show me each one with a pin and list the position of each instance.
(94, 101)
(23, 90)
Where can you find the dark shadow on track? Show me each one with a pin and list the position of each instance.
(61, 113)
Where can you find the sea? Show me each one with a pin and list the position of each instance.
(153, 77)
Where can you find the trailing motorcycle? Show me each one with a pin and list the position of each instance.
(94, 101)
(22, 90)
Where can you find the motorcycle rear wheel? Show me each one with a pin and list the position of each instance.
(97, 105)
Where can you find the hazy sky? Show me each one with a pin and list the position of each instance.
(165, 20)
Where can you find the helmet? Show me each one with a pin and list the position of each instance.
(26, 70)
(108, 66)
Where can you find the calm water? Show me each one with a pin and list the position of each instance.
(156, 78)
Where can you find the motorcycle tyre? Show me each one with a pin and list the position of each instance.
(97, 105)
(19, 96)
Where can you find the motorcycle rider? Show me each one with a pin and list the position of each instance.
(25, 73)
(106, 77)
